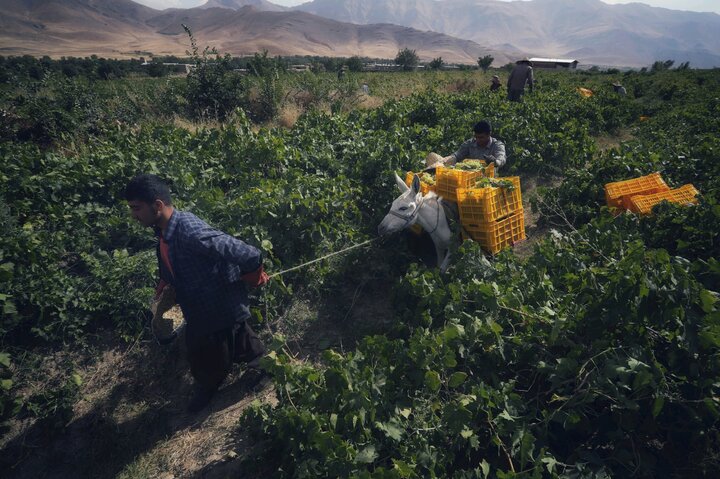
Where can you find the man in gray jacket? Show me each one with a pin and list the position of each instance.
(520, 75)
(482, 147)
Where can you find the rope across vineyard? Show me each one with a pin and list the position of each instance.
(300, 266)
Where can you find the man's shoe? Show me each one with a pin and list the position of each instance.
(254, 379)
(255, 362)
(200, 398)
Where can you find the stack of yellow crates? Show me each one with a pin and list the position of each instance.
(449, 180)
(639, 195)
(685, 195)
(493, 215)
(425, 188)
(618, 193)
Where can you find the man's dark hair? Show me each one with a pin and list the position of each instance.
(147, 188)
(483, 126)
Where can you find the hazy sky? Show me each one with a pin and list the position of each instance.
(696, 5)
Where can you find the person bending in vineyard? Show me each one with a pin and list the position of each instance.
(482, 147)
(210, 272)
(521, 74)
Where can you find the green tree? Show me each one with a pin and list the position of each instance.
(662, 65)
(354, 64)
(436, 63)
(260, 64)
(407, 59)
(213, 91)
(157, 70)
(330, 64)
(485, 62)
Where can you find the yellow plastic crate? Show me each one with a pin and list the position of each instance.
(685, 195)
(424, 187)
(619, 193)
(416, 229)
(448, 180)
(585, 92)
(497, 235)
(484, 205)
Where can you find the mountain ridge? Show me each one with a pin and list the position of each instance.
(262, 5)
(122, 28)
(551, 27)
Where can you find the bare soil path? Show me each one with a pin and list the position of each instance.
(131, 421)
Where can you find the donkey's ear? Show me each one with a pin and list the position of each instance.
(416, 184)
(401, 184)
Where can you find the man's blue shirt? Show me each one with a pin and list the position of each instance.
(207, 265)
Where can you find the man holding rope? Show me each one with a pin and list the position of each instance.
(210, 272)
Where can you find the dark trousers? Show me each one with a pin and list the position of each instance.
(515, 95)
(212, 356)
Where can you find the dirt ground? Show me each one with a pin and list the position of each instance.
(533, 233)
(605, 142)
(131, 420)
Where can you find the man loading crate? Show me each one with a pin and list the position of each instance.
(482, 147)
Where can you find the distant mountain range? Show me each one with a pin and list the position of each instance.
(262, 5)
(122, 28)
(588, 30)
(460, 31)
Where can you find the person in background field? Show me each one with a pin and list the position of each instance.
(521, 74)
(482, 147)
(619, 89)
(210, 272)
(495, 84)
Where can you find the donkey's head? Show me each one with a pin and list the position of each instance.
(404, 210)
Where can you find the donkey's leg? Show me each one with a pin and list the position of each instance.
(443, 257)
(445, 262)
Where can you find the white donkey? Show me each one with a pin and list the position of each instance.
(412, 207)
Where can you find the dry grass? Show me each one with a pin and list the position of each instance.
(606, 142)
(462, 85)
(289, 114)
(195, 126)
(368, 102)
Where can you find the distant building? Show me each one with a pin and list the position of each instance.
(299, 68)
(381, 67)
(174, 67)
(554, 63)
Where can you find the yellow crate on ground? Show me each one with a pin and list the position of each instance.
(497, 235)
(483, 205)
(685, 195)
(618, 194)
(448, 180)
(425, 188)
